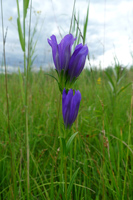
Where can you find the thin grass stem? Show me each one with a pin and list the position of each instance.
(72, 16)
(26, 110)
(129, 138)
(7, 105)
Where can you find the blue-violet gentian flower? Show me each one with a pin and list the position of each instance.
(63, 60)
(70, 106)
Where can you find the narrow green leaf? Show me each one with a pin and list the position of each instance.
(73, 28)
(63, 145)
(76, 30)
(26, 4)
(52, 77)
(78, 39)
(110, 80)
(72, 17)
(21, 38)
(71, 184)
(85, 26)
(70, 141)
(115, 74)
(118, 82)
(21, 85)
(123, 88)
(111, 86)
(18, 8)
(60, 192)
(32, 61)
(52, 185)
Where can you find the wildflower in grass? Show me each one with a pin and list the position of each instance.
(39, 12)
(10, 19)
(70, 106)
(68, 66)
(99, 81)
(122, 88)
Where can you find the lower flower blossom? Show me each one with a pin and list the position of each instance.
(70, 106)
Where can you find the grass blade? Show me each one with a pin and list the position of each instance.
(26, 3)
(70, 141)
(71, 184)
(110, 80)
(85, 26)
(21, 38)
(123, 88)
(21, 85)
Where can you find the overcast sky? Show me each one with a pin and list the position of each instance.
(109, 33)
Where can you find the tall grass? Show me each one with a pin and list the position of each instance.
(100, 154)
(22, 40)
(8, 131)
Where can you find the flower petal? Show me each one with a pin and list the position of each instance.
(77, 61)
(66, 104)
(74, 106)
(55, 51)
(65, 51)
(61, 52)
(70, 106)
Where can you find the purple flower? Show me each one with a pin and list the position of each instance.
(70, 106)
(77, 61)
(61, 52)
(63, 60)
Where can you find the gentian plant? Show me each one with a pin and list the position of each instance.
(68, 65)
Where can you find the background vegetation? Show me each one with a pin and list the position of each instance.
(102, 149)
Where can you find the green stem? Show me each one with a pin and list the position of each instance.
(26, 111)
(58, 116)
(72, 16)
(26, 105)
(129, 136)
(71, 159)
(60, 135)
(65, 174)
(65, 164)
(13, 180)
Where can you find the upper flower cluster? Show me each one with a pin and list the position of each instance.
(68, 66)
(72, 65)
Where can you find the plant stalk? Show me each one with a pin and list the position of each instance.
(26, 111)
(65, 175)
(129, 136)
(72, 17)
(7, 103)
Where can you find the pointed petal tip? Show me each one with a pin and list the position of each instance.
(78, 94)
(49, 41)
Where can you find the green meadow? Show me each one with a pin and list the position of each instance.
(102, 150)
